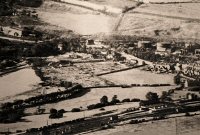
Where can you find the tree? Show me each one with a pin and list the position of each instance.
(177, 79)
(32, 3)
(152, 97)
(164, 95)
(53, 111)
(104, 100)
(115, 100)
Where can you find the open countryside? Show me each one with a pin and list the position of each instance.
(105, 67)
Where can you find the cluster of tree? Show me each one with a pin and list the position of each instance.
(56, 113)
(186, 109)
(7, 62)
(28, 31)
(152, 98)
(166, 95)
(11, 115)
(43, 49)
(104, 102)
(30, 3)
(6, 7)
(43, 99)
(177, 79)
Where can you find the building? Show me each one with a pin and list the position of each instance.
(90, 42)
(187, 82)
(191, 96)
(144, 44)
(161, 108)
(163, 48)
(197, 52)
(12, 31)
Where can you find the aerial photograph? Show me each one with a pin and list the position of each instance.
(99, 67)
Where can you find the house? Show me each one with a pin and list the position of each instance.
(189, 81)
(163, 48)
(34, 14)
(90, 42)
(197, 52)
(144, 44)
(60, 47)
(191, 96)
(65, 84)
(12, 31)
(177, 52)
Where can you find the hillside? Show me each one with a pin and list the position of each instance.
(163, 21)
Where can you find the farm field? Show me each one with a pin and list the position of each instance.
(137, 76)
(18, 82)
(187, 10)
(80, 20)
(94, 95)
(148, 25)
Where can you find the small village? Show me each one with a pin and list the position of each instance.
(89, 83)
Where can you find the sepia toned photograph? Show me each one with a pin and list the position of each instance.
(99, 67)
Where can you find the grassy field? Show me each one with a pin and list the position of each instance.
(80, 20)
(136, 76)
(115, 3)
(188, 10)
(18, 82)
(146, 25)
(169, 20)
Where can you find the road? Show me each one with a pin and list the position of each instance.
(96, 7)
(20, 40)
